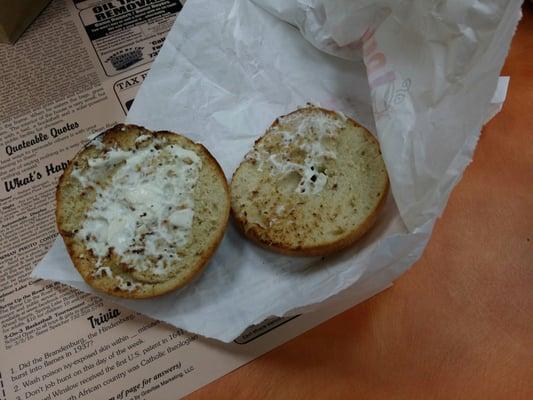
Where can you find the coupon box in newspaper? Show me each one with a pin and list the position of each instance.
(419, 75)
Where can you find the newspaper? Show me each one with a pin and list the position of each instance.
(73, 73)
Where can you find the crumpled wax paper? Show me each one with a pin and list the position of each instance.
(420, 75)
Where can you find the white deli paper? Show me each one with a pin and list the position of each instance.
(420, 75)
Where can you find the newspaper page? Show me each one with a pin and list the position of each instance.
(73, 73)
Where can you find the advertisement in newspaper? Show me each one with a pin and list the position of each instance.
(126, 88)
(56, 342)
(128, 33)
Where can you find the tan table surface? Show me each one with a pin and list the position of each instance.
(459, 324)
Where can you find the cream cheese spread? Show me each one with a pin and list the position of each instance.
(102, 271)
(310, 135)
(144, 213)
(126, 285)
